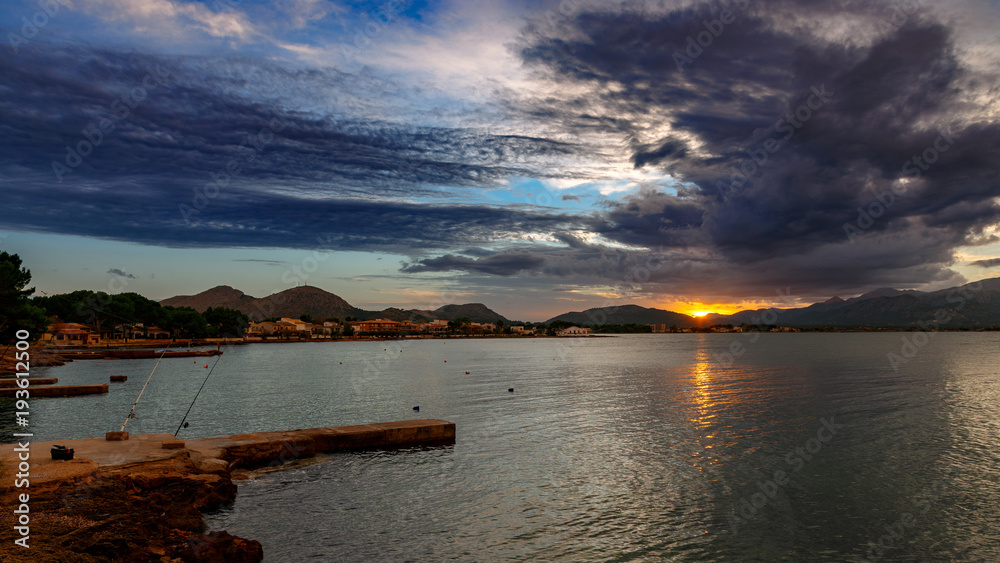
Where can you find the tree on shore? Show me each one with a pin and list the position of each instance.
(225, 322)
(16, 310)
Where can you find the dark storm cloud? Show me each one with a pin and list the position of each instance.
(987, 263)
(120, 273)
(784, 135)
(780, 131)
(261, 261)
(251, 219)
(193, 154)
(503, 264)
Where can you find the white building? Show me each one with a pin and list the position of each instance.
(574, 331)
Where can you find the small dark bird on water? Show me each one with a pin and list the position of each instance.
(416, 409)
(511, 390)
(186, 424)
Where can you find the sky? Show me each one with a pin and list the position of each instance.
(538, 157)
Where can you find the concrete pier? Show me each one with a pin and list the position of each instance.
(137, 354)
(145, 495)
(57, 390)
(242, 451)
(12, 382)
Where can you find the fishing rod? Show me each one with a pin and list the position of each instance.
(131, 412)
(191, 406)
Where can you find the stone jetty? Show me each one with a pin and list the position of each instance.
(12, 382)
(57, 390)
(141, 499)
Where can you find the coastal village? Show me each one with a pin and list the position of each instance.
(288, 329)
(78, 334)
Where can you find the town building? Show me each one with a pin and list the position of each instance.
(574, 331)
(70, 334)
(376, 325)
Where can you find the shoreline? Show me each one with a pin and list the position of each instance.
(144, 498)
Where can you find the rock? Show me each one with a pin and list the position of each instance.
(222, 547)
(213, 465)
(146, 511)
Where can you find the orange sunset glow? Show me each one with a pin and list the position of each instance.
(702, 309)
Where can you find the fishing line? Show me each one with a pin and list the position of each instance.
(198, 393)
(131, 412)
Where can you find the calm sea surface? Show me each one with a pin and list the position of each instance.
(804, 447)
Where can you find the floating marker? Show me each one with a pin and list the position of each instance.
(511, 390)
(416, 409)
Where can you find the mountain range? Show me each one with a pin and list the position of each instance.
(320, 304)
(971, 305)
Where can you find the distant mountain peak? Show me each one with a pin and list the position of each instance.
(319, 304)
(834, 299)
(626, 314)
(477, 312)
(887, 292)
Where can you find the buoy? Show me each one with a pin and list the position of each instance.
(466, 373)
(341, 363)
(446, 361)
(416, 409)
(511, 390)
(206, 366)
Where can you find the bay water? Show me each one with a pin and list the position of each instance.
(686, 447)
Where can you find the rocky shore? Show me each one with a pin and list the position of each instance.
(40, 357)
(150, 511)
(141, 500)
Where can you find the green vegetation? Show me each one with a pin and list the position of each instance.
(628, 328)
(125, 314)
(17, 311)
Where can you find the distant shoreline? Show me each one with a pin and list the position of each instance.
(216, 342)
